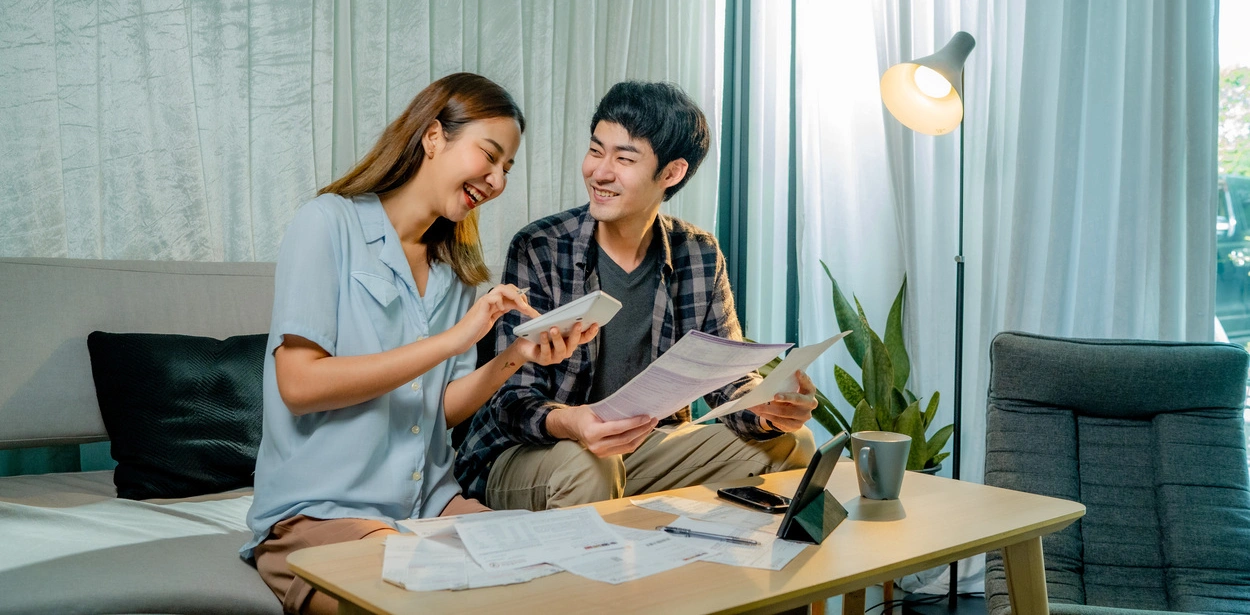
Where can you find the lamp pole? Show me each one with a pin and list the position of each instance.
(953, 587)
(922, 96)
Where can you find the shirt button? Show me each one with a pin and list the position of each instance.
(421, 337)
(416, 386)
(416, 476)
(416, 430)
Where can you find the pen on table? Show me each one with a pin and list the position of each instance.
(680, 531)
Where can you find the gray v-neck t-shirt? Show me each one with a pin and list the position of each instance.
(625, 342)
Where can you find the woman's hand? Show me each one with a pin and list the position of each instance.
(480, 318)
(553, 347)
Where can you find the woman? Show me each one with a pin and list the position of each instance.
(371, 346)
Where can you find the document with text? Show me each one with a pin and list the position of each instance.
(696, 365)
(419, 563)
(643, 553)
(517, 541)
(780, 380)
(446, 526)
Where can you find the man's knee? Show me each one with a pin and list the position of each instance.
(563, 474)
(579, 476)
(792, 451)
(804, 447)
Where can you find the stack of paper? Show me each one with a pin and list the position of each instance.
(504, 547)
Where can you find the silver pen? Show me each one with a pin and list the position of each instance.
(681, 531)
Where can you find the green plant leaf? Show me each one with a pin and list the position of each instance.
(931, 411)
(911, 397)
(898, 404)
(878, 371)
(851, 391)
(938, 441)
(894, 338)
(829, 417)
(909, 424)
(824, 403)
(865, 418)
(856, 342)
(936, 460)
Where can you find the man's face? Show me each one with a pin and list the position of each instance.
(620, 175)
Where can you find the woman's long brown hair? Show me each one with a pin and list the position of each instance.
(454, 101)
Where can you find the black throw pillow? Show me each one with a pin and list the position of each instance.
(183, 413)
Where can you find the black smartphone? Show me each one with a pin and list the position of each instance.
(757, 498)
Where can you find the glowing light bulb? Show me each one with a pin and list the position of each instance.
(931, 83)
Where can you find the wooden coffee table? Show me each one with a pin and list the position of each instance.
(934, 522)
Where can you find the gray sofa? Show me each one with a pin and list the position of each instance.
(69, 544)
(1149, 436)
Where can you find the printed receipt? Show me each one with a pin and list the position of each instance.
(696, 364)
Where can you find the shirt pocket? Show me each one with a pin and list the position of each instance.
(380, 300)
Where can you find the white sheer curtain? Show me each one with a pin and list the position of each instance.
(191, 130)
(768, 168)
(1090, 177)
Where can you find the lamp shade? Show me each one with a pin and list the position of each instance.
(926, 95)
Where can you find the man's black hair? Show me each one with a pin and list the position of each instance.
(665, 117)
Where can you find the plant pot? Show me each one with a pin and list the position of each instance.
(930, 471)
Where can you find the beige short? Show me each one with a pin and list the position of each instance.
(565, 474)
(300, 532)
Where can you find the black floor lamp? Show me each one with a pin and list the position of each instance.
(926, 95)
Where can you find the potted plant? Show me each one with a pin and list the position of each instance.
(882, 402)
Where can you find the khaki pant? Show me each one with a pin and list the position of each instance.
(565, 474)
(299, 532)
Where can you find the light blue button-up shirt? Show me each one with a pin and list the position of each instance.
(343, 282)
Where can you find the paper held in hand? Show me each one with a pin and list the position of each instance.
(780, 380)
(696, 365)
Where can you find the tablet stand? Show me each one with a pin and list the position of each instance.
(816, 520)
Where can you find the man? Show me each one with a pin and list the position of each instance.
(537, 444)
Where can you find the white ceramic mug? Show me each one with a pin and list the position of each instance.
(880, 460)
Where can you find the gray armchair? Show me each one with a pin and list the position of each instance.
(1149, 437)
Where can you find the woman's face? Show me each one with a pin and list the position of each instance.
(472, 168)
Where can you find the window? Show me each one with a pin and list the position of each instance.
(1232, 221)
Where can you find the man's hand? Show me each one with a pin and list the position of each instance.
(603, 438)
(788, 411)
(554, 348)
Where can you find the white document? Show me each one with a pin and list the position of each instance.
(431, 564)
(696, 364)
(708, 511)
(517, 541)
(780, 380)
(446, 526)
(645, 552)
(772, 553)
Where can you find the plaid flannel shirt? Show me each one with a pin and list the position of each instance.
(555, 258)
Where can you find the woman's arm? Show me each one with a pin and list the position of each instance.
(311, 380)
(465, 395)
